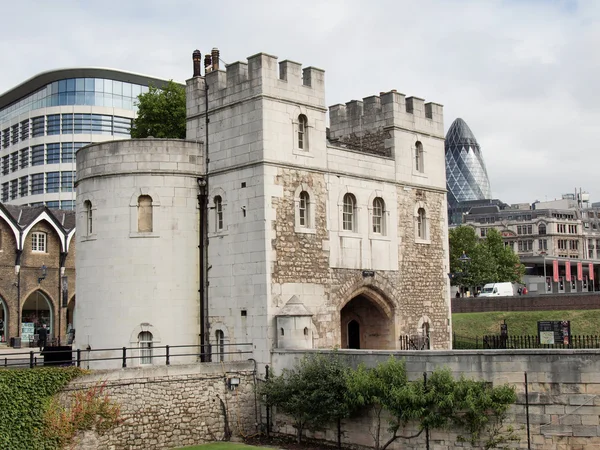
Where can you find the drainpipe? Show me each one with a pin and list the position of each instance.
(18, 270)
(61, 271)
(205, 351)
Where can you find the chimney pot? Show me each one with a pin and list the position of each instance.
(197, 58)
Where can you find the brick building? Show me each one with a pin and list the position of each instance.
(312, 237)
(37, 255)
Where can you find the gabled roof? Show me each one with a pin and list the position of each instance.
(22, 218)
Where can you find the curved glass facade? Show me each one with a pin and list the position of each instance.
(41, 130)
(466, 175)
(78, 91)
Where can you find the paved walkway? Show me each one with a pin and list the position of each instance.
(19, 357)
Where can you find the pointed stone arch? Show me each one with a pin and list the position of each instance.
(367, 319)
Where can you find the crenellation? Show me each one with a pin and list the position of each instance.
(415, 106)
(290, 71)
(236, 74)
(314, 77)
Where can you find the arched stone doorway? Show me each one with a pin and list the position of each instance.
(3, 321)
(37, 310)
(367, 322)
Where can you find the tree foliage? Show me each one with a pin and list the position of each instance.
(490, 260)
(322, 390)
(313, 393)
(161, 113)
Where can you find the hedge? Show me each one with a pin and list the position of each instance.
(24, 397)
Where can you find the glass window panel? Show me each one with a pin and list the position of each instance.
(136, 90)
(117, 101)
(126, 89)
(67, 204)
(127, 103)
(89, 98)
(89, 85)
(62, 99)
(117, 87)
(66, 181)
(79, 84)
(108, 86)
(52, 153)
(107, 100)
(71, 85)
(99, 85)
(80, 98)
(37, 183)
(52, 205)
(54, 88)
(37, 155)
(53, 100)
(70, 98)
(52, 182)
(62, 86)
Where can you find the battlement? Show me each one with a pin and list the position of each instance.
(385, 111)
(259, 74)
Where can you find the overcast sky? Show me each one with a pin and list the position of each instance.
(522, 73)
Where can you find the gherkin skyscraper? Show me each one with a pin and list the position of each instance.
(466, 175)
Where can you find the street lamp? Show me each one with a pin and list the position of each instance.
(464, 261)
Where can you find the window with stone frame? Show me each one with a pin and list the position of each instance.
(145, 340)
(541, 228)
(302, 132)
(419, 157)
(421, 224)
(304, 210)
(349, 213)
(145, 214)
(219, 223)
(379, 216)
(220, 338)
(39, 242)
(89, 220)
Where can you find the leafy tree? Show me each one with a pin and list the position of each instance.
(475, 407)
(490, 260)
(161, 113)
(314, 393)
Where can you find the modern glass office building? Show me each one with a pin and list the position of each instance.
(46, 119)
(466, 175)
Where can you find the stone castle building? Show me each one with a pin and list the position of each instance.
(265, 226)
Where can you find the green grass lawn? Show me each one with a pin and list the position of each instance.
(224, 446)
(583, 322)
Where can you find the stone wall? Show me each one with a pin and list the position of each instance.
(174, 406)
(564, 393)
(526, 303)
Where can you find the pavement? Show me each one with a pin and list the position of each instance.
(18, 357)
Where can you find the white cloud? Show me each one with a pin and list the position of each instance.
(521, 73)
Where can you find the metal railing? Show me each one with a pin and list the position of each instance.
(521, 342)
(155, 355)
(414, 342)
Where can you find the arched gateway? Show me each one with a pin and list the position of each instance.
(367, 321)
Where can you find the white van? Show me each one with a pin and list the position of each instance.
(498, 290)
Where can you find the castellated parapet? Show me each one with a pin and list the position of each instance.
(259, 75)
(386, 112)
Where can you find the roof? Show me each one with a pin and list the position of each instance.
(42, 79)
(294, 307)
(23, 216)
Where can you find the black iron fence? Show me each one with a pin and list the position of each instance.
(521, 342)
(414, 342)
(124, 356)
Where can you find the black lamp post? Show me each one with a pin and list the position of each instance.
(464, 263)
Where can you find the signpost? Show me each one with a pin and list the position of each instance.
(554, 332)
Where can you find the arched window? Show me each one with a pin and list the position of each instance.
(218, 213)
(304, 210)
(87, 206)
(378, 216)
(305, 331)
(421, 224)
(145, 344)
(419, 162)
(144, 214)
(302, 129)
(220, 337)
(349, 213)
(541, 228)
(282, 331)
